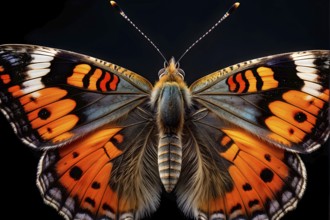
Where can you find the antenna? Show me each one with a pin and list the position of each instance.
(122, 13)
(229, 12)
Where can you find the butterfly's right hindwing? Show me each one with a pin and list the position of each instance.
(227, 173)
(53, 96)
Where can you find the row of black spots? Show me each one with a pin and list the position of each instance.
(76, 173)
(104, 81)
(240, 80)
(109, 82)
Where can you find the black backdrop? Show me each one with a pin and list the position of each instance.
(257, 29)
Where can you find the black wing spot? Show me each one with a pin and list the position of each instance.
(235, 208)
(291, 131)
(44, 114)
(90, 201)
(106, 207)
(247, 187)
(300, 117)
(267, 175)
(75, 154)
(268, 157)
(96, 185)
(76, 173)
(253, 203)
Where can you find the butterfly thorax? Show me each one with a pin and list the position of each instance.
(170, 99)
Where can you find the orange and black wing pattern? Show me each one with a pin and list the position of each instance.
(282, 99)
(110, 173)
(52, 97)
(228, 173)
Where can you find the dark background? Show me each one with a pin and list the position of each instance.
(91, 27)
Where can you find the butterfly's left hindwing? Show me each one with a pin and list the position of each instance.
(283, 99)
(52, 96)
(110, 173)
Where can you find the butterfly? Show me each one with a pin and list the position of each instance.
(57, 69)
(226, 145)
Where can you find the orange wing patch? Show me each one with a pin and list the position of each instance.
(58, 127)
(92, 78)
(49, 113)
(5, 78)
(297, 117)
(268, 181)
(252, 80)
(267, 76)
(82, 170)
(304, 101)
(41, 98)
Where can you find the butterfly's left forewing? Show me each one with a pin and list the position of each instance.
(52, 97)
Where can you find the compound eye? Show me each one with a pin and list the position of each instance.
(181, 73)
(161, 72)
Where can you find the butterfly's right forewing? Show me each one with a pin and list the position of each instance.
(282, 99)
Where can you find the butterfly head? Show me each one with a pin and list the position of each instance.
(171, 68)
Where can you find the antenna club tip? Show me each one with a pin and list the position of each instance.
(115, 6)
(113, 3)
(233, 7)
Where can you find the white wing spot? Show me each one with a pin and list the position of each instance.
(55, 193)
(304, 69)
(273, 207)
(32, 85)
(36, 58)
(36, 73)
(294, 182)
(309, 62)
(39, 65)
(306, 55)
(126, 216)
(312, 88)
(218, 216)
(308, 77)
(260, 217)
(286, 196)
(82, 216)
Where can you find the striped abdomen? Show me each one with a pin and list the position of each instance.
(169, 160)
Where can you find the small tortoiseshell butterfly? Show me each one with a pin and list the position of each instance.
(226, 146)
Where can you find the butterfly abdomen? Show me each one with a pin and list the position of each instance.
(170, 118)
(169, 160)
